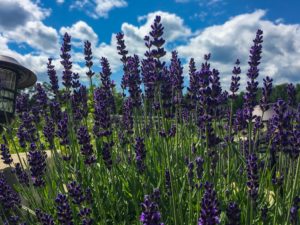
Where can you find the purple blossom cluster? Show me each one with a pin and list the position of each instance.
(37, 163)
(86, 146)
(108, 150)
(210, 213)
(150, 214)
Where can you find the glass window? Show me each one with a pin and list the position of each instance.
(7, 88)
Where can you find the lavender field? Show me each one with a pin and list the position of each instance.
(175, 155)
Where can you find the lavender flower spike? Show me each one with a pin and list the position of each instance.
(66, 62)
(150, 214)
(253, 182)
(5, 154)
(44, 218)
(88, 56)
(86, 146)
(253, 72)
(140, 153)
(37, 162)
(64, 213)
(235, 79)
(233, 214)
(210, 213)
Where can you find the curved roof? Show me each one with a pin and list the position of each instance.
(27, 77)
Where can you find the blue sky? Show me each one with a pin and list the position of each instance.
(31, 31)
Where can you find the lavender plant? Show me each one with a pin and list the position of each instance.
(206, 162)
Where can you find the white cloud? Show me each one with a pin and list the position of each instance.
(226, 42)
(37, 35)
(175, 30)
(203, 2)
(21, 22)
(80, 31)
(60, 1)
(231, 40)
(98, 8)
(182, 1)
(14, 13)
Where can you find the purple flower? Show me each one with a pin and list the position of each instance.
(22, 134)
(9, 199)
(294, 218)
(199, 167)
(166, 93)
(5, 154)
(264, 213)
(76, 192)
(253, 179)
(281, 127)
(79, 103)
(172, 131)
(88, 56)
(22, 104)
(66, 61)
(291, 92)
(27, 130)
(121, 47)
(216, 90)
(55, 111)
(13, 220)
(49, 131)
(235, 79)
(149, 77)
(62, 129)
(252, 74)
(266, 93)
(75, 80)
(37, 163)
(176, 72)
(44, 218)
(157, 30)
(194, 83)
(191, 174)
(168, 182)
(150, 214)
(133, 80)
(106, 154)
(152, 66)
(233, 214)
(86, 146)
(63, 210)
(210, 213)
(21, 175)
(107, 84)
(84, 214)
(52, 77)
(102, 121)
(140, 154)
(127, 118)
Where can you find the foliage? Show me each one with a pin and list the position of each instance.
(152, 155)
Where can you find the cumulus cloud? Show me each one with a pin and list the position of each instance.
(37, 35)
(21, 22)
(175, 30)
(15, 13)
(231, 40)
(98, 8)
(80, 31)
(226, 42)
(203, 2)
